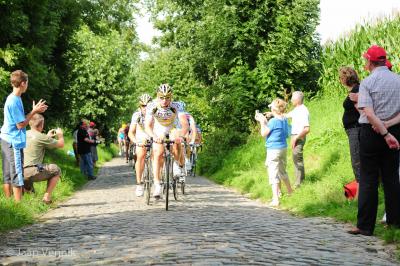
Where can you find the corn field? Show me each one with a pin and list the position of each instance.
(348, 51)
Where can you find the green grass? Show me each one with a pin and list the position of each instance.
(327, 164)
(14, 215)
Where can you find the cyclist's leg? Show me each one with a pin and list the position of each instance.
(127, 143)
(177, 148)
(139, 167)
(158, 160)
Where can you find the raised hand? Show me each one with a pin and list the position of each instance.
(260, 117)
(39, 107)
(353, 97)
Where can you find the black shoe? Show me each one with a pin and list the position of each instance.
(92, 177)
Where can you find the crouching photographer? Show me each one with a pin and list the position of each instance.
(37, 143)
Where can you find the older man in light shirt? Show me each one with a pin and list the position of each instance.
(300, 128)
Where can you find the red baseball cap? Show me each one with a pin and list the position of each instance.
(92, 124)
(389, 65)
(375, 53)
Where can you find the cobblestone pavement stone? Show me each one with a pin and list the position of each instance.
(105, 224)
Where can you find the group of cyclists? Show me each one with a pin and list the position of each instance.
(156, 121)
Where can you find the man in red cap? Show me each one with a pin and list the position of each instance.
(84, 143)
(93, 135)
(379, 98)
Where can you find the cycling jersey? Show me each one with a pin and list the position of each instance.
(165, 119)
(121, 135)
(190, 120)
(138, 120)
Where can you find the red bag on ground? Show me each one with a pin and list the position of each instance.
(350, 190)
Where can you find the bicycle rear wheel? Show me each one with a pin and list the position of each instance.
(183, 188)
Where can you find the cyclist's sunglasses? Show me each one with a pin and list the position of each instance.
(165, 98)
(143, 105)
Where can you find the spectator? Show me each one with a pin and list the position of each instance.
(13, 135)
(379, 99)
(349, 78)
(75, 143)
(93, 135)
(300, 128)
(121, 138)
(276, 131)
(127, 141)
(84, 143)
(37, 143)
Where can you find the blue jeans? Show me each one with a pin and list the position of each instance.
(86, 164)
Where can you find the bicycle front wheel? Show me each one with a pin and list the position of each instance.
(166, 181)
(147, 183)
(193, 163)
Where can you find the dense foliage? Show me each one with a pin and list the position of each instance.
(227, 58)
(79, 55)
(326, 154)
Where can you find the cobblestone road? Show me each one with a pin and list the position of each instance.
(106, 224)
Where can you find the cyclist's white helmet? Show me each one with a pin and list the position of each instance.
(164, 91)
(144, 99)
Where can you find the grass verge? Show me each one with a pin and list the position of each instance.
(14, 215)
(327, 164)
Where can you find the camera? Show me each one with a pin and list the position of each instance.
(53, 132)
(268, 115)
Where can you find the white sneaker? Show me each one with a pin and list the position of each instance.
(157, 190)
(139, 190)
(182, 179)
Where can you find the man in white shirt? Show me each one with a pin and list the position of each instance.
(300, 128)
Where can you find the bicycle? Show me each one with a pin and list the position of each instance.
(193, 158)
(168, 180)
(147, 176)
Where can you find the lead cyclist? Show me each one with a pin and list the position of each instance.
(162, 118)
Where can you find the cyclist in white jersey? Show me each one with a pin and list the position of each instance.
(190, 137)
(162, 117)
(138, 136)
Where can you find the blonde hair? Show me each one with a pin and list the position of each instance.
(17, 77)
(36, 121)
(278, 105)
